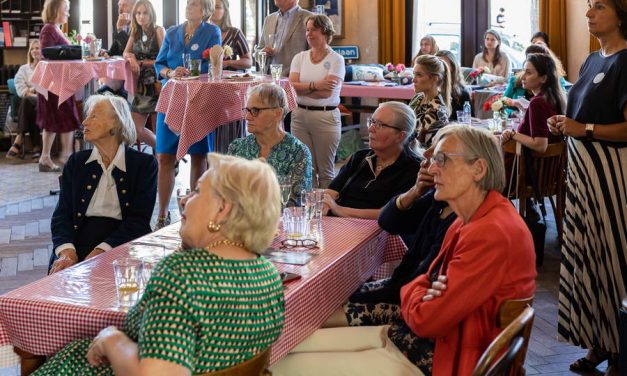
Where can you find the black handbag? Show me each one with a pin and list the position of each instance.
(62, 52)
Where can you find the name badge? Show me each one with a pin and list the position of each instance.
(598, 78)
(327, 65)
(194, 47)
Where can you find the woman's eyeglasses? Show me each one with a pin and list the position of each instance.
(379, 124)
(254, 111)
(440, 158)
(296, 243)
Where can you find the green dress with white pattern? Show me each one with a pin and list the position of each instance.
(200, 311)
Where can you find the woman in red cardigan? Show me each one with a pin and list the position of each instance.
(487, 255)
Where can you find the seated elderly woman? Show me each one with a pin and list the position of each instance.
(457, 301)
(200, 311)
(372, 176)
(108, 193)
(265, 110)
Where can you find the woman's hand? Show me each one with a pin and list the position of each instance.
(566, 126)
(96, 354)
(552, 124)
(94, 253)
(134, 65)
(507, 135)
(329, 204)
(269, 50)
(178, 72)
(437, 289)
(67, 258)
(326, 84)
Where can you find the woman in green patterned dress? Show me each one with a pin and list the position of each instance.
(265, 109)
(212, 305)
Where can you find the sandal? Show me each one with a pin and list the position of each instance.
(163, 221)
(15, 154)
(586, 365)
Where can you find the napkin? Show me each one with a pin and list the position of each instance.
(216, 54)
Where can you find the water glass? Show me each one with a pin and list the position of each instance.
(285, 184)
(271, 41)
(313, 201)
(276, 70)
(128, 277)
(98, 46)
(295, 223)
(187, 58)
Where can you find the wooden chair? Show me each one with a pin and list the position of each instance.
(255, 366)
(516, 319)
(550, 171)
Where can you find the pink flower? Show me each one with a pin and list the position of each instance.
(88, 39)
(389, 67)
(78, 38)
(400, 68)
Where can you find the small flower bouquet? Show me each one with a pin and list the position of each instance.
(475, 74)
(90, 44)
(228, 52)
(397, 73)
(497, 103)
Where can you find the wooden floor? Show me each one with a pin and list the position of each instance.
(20, 236)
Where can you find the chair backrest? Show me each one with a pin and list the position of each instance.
(255, 366)
(15, 98)
(503, 365)
(516, 319)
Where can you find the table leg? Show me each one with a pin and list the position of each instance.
(29, 362)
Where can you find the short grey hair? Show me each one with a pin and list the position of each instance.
(125, 126)
(480, 144)
(246, 184)
(404, 118)
(271, 95)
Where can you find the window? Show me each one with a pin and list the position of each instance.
(442, 22)
(87, 17)
(511, 19)
(158, 5)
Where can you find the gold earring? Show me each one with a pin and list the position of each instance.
(213, 227)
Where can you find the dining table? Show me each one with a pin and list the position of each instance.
(65, 78)
(196, 106)
(38, 319)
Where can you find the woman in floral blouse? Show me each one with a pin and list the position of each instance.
(265, 109)
(432, 101)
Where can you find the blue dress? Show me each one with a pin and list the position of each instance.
(171, 56)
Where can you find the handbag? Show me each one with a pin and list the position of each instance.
(62, 52)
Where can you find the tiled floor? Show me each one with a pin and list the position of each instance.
(26, 206)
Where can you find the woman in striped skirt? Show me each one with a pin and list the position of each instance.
(594, 268)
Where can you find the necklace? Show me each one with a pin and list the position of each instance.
(224, 242)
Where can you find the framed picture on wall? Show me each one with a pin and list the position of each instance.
(335, 10)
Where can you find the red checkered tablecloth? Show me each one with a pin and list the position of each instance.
(195, 108)
(42, 317)
(65, 78)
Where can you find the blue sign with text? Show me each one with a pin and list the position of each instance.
(347, 52)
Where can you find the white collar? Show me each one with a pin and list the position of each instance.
(290, 11)
(118, 161)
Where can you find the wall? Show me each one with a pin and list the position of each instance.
(361, 28)
(577, 43)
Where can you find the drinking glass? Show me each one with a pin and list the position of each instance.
(194, 67)
(261, 60)
(271, 41)
(276, 70)
(180, 195)
(313, 200)
(187, 58)
(295, 223)
(128, 277)
(285, 183)
(98, 47)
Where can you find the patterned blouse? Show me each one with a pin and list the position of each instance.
(430, 117)
(289, 156)
(200, 311)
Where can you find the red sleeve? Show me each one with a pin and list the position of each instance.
(473, 274)
(539, 112)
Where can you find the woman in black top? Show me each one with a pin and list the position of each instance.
(459, 93)
(372, 176)
(594, 253)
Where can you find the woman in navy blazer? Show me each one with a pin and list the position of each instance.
(107, 193)
(191, 37)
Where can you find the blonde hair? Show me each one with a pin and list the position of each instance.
(434, 48)
(253, 190)
(29, 58)
(479, 144)
(324, 23)
(50, 10)
(436, 67)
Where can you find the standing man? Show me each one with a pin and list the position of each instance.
(287, 26)
(122, 27)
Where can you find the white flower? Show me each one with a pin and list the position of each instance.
(228, 50)
(497, 105)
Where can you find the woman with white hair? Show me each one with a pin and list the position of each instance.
(372, 176)
(209, 306)
(108, 193)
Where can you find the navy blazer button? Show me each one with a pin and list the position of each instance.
(127, 204)
(124, 191)
(89, 187)
(121, 179)
(93, 176)
(75, 227)
(82, 200)
(79, 214)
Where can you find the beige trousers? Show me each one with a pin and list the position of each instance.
(350, 351)
(320, 131)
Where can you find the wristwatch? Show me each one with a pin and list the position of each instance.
(589, 130)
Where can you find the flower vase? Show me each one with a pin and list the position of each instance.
(397, 79)
(217, 70)
(499, 120)
(85, 50)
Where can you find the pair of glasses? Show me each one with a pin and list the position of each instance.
(254, 111)
(295, 243)
(377, 124)
(440, 158)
